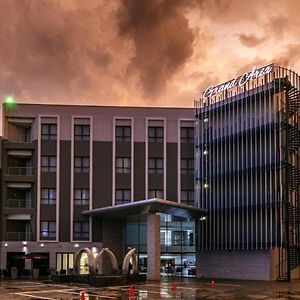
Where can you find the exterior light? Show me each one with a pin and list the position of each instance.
(24, 243)
(205, 185)
(202, 219)
(9, 101)
(42, 245)
(205, 120)
(76, 245)
(5, 244)
(205, 152)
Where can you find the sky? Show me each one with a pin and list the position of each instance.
(139, 52)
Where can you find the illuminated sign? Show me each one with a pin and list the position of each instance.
(239, 81)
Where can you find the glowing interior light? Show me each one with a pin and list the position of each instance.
(205, 120)
(42, 245)
(205, 152)
(205, 185)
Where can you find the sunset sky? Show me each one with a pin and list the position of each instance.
(139, 52)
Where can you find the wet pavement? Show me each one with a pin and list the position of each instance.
(165, 289)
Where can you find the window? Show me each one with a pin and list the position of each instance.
(64, 261)
(155, 194)
(155, 134)
(81, 231)
(81, 196)
(49, 131)
(82, 132)
(187, 166)
(48, 163)
(48, 230)
(81, 164)
(187, 134)
(48, 196)
(122, 197)
(187, 197)
(123, 133)
(155, 165)
(123, 165)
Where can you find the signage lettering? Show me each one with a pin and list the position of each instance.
(239, 81)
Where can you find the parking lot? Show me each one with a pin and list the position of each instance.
(166, 289)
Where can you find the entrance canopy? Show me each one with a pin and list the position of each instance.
(150, 206)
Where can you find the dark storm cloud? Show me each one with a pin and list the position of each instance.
(162, 39)
(250, 40)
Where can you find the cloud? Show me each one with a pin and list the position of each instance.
(250, 40)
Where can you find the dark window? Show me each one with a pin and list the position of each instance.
(123, 165)
(48, 230)
(122, 197)
(187, 197)
(81, 196)
(187, 134)
(155, 194)
(81, 231)
(82, 132)
(155, 165)
(49, 131)
(123, 133)
(48, 196)
(155, 134)
(187, 166)
(81, 164)
(48, 163)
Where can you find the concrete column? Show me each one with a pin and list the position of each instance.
(153, 247)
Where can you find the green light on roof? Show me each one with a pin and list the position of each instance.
(9, 99)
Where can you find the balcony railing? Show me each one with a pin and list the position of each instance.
(19, 236)
(19, 203)
(20, 138)
(20, 171)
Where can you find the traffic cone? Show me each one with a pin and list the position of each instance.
(82, 297)
(212, 284)
(174, 287)
(131, 292)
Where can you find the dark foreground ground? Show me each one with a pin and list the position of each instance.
(165, 289)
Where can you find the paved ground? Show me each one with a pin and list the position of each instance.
(187, 289)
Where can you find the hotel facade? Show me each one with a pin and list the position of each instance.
(59, 161)
(209, 192)
(248, 176)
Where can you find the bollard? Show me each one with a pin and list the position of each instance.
(82, 297)
(174, 287)
(212, 284)
(131, 292)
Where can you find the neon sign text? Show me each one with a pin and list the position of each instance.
(239, 81)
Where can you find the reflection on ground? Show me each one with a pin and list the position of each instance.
(166, 289)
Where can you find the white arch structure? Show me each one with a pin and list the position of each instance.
(91, 260)
(130, 254)
(112, 259)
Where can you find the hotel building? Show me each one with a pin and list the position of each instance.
(248, 176)
(58, 161)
